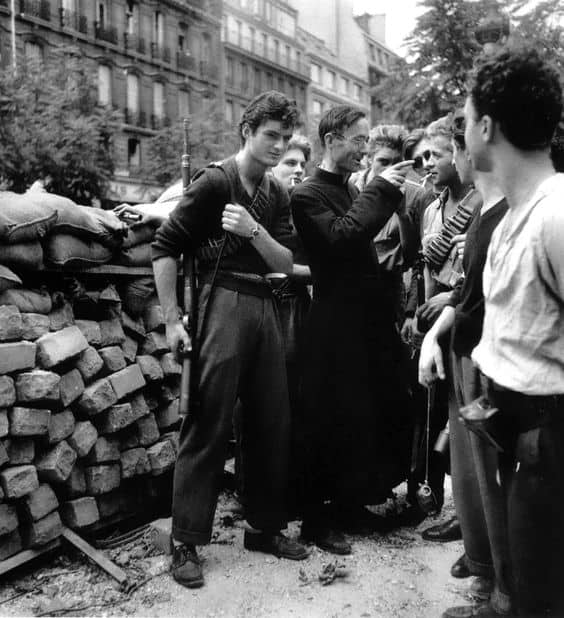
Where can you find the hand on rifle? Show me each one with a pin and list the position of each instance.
(459, 241)
(431, 362)
(430, 311)
(237, 220)
(178, 340)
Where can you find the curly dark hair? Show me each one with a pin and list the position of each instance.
(521, 92)
(300, 142)
(270, 105)
(411, 141)
(338, 119)
(387, 136)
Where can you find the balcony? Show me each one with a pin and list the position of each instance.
(105, 33)
(159, 122)
(36, 8)
(135, 118)
(134, 43)
(185, 62)
(208, 70)
(160, 53)
(74, 21)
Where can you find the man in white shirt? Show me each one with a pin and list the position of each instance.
(513, 108)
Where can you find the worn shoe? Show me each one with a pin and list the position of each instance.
(276, 544)
(481, 588)
(186, 567)
(460, 568)
(443, 533)
(327, 539)
(484, 610)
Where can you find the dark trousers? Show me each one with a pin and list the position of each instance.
(477, 493)
(531, 468)
(241, 357)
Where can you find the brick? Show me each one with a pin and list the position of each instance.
(139, 406)
(102, 479)
(169, 392)
(111, 332)
(61, 426)
(89, 363)
(135, 328)
(55, 348)
(152, 401)
(17, 356)
(113, 358)
(168, 416)
(161, 456)
(150, 367)
(38, 386)
(11, 544)
(18, 481)
(154, 319)
(71, 387)
(111, 504)
(172, 437)
(80, 512)
(170, 366)
(155, 343)
(83, 438)
(40, 502)
(34, 325)
(129, 438)
(91, 331)
(129, 348)
(43, 531)
(7, 392)
(4, 423)
(61, 317)
(106, 450)
(116, 418)
(4, 457)
(75, 485)
(97, 397)
(10, 323)
(56, 465)
(134, 462)
(127, 381)
(20, 451)
(8, 518)
(28, 421)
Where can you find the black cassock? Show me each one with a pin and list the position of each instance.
(355, 422)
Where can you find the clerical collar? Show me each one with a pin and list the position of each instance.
(331, 177)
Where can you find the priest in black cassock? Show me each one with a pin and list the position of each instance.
(355, 414)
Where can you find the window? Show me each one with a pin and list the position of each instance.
(101, 13)
(206, 47)
(33, 52)
(244, 76)
(133, 152)
(239, 33)
(230, 71)
(317, 108)
(264, 44)
(229, 112)
(269, 81)
(183, 104)
(250, 43)
(357, 92)
(276, 51)
(182, 37)
(69, 5)
(315, 73)
(344, 85)
(257, 84)
(132, 18)
(331, 80)
(281, 84)
(132, 93)
(288, 56)
(158, 100)
(104, 85)
(158, 28)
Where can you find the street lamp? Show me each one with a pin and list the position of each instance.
(493, 29)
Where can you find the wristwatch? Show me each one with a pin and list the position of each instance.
(254, 232)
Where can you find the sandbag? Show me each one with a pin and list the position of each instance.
(140, 255)
(23, 218)
(69, 251)
(102, 226)
(8, 279)
(28, 255)
(137, 294)
(137, 235)
(172, 193)
(27, 301)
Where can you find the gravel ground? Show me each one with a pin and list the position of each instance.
(393, 575)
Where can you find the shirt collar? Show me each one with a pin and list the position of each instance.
(330, 177)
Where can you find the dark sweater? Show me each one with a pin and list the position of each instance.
(198, 218)
(468, 296)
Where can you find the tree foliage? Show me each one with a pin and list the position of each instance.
(52, 126)
(442, 50)
(209, 140)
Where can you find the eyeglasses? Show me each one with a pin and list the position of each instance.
(418, 161)
(359, 141)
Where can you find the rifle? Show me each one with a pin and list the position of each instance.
(188, 383)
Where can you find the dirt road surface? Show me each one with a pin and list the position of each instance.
(393, 575)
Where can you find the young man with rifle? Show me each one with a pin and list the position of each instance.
(232, 217)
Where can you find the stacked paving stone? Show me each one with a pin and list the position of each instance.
(88, 418)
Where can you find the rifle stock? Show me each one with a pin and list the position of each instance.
(190, 302)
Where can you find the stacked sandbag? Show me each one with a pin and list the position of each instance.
(88, 415)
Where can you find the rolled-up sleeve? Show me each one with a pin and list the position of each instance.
(336, 234)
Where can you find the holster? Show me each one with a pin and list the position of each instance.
(481, 417)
